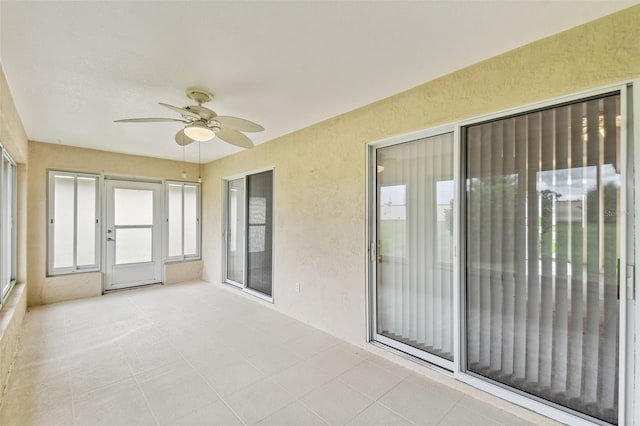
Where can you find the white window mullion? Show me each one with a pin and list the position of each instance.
(75, 223)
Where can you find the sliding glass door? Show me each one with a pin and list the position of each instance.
(542, 246)
(414, 267)
(502, 249)
(249, 232)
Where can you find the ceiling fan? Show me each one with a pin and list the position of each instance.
(203, 124)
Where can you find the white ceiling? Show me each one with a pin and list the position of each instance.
(74, 67)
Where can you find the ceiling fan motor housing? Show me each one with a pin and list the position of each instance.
(199, 95)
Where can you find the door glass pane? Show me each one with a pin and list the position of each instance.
(133, 245)
(63, 228)
(543, 232)
(415, 230)
(235, 231)
(86, 221)
(259, 256)
(133, 206)
(190, 220)
(175, 220)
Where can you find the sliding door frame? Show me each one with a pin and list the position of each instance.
(372, 201)
(225, 233)
(629, 314)
(549, 409)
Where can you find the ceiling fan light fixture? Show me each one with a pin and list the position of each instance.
(199, 132)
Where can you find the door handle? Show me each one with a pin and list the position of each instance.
(110, 239)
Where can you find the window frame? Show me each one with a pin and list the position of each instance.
(182, 257)
(96, 266)
(8, 195)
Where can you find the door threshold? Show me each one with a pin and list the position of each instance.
(115, 290)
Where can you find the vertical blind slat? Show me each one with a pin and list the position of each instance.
(473, 245)
(520, 251)
(496, 230)
(533, 284)
(485, 250)
(592, 318)
(563, 220)
(574, 368)
(508, 244)
(547, 207)
(607, 383)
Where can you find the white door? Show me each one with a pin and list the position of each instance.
(133, 234)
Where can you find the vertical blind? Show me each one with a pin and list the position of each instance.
(414, 294)
(542, 246)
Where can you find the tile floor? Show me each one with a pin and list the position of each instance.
(197, 354)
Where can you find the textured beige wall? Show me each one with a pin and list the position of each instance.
(14, 140)
(178, 272)
(320, 211)
(42, 157)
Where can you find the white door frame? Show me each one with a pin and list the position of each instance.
(134, 274)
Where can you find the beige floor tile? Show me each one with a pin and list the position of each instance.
(119, 404)
(146, 349)
(470, 411)
(370, 379)
(176, 393)
(336, 402)
(389, 366)
(229, 376)
(216, 414)
(55, 416)
(421, 401)
(311, 343)
(273, 358)
(95, 368)
(302, 378)
(167, 354)
(38, 405)
(294, 414)
(54, 373)
(377, 415)
(258, 400)
(339, 358)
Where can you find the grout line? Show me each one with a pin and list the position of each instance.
(144, 396)
(196, 370)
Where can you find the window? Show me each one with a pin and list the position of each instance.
(248, 232)
(183, 220)
(7, 225)
(74, 215)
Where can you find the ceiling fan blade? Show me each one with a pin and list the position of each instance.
(183, 139)
(181, 111)
(234, 137)
(148, 120)
(239, 124)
